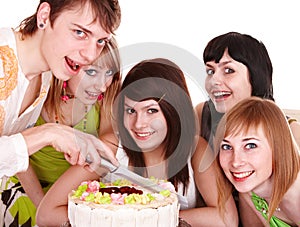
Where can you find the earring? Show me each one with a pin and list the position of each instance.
(101, 96)
(64, 97)
(41, 25)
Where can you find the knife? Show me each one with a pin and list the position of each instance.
(139, 180)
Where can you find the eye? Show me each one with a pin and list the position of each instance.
(250, 146)
(226, 147)
(102, 42)
(228, 70)
(152, 110)
(109, 72)
(80, 34)
(129, 110)
(91, 72)
(210, 72)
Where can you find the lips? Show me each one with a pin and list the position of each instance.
(93, 94)
(221, 94)
(74, 67)
(143, 135)
(241, 176)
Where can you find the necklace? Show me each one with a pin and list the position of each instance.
(84, 118)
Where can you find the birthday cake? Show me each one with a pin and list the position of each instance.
(122, 203)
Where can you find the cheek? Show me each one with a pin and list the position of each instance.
(159, 125)
(108, 83)
(224, 161)
(126, 122)
(207, 83)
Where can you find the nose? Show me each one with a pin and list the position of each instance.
(237, 159)
(140, 121)
(100, 85)
(90, 52)
(216, 78)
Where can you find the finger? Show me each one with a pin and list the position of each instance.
(72, 157)
(81, 160)
(97, 169)
(106, 152)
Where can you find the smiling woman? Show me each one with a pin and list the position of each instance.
(257, 153)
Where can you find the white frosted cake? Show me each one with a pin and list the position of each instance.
(122, 203)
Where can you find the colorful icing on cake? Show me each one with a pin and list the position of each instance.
(122, 203)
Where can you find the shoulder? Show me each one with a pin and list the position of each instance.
(203, 156)
(199, 109)
(295, 129)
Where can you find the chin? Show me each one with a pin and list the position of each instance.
(221, 109)
(242, 189)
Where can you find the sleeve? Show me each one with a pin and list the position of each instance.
(13, 155)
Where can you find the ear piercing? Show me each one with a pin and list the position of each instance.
(41, 25)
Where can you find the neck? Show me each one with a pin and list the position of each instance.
(74, 111)
(29, 54)
(264, 190)
(155, 163)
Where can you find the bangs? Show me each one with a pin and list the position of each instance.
(236, 45)
(109, 58)
(243, 127)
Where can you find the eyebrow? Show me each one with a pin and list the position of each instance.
(243, 140)
(83, 28)
(107, 39)
(145, 107)
(220, 63)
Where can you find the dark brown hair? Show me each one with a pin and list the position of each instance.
(161, 80)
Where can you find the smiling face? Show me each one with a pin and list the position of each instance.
(74, 39)
(91, 82)
(227, 82)
(145, 123)
(246, 159)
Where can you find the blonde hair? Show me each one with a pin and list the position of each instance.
(110, 57)
(252, 113)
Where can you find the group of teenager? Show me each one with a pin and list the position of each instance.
(234, 158)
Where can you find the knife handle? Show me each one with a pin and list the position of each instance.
(107, 164)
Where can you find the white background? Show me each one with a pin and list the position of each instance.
(190, 24)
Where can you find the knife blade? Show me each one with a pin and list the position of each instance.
(124, 172)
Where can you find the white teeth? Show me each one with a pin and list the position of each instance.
(75, 67)
(220, 93)
(242, 175)
(92, 94)
(144, 134)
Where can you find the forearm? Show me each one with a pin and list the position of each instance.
(208, 216)
(53, 209)
(38, 137)
(13, 156)
(31, 185)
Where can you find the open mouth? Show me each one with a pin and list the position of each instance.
(144, 134)
(221, 94)
(92, 94)
(242, 175)
(73, 65)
